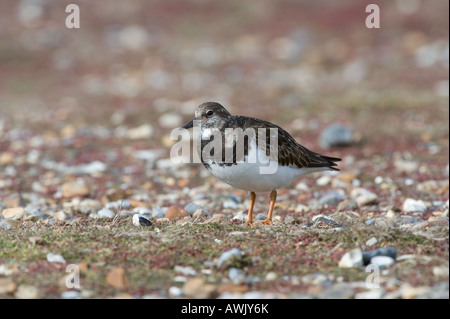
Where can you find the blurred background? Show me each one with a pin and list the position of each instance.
(135, 70)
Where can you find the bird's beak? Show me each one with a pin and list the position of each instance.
(188, 125)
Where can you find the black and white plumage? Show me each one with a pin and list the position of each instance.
(278, 149)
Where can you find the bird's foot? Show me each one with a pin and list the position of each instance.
(264, 222)
(249, 222)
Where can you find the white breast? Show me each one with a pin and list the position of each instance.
(261, 175)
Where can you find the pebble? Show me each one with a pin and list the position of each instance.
(440, 271)
(9, 223)
(405, 166)
(144, 131)
(191, 208)
(36, 240)
(231, 204)
(271, 276)
(384, 251)
(187, 271)
(302, 208)
(414, 292)
(363, 196)
(105, 213)
(240, 216)
(13, 213)
(27, 292)
(139, 220)
(338, 291)
(412, 205)
(331, 198)
(159, 212)
(372, 241)
(54, 258)
(348, 204)
(117, 278)
(318, 219)
(336, 135)
(236, 276)
(351, 259)
(382, 261)
(62, 215)
(197, 288)
(290, 220)
(71, 294)
(7, 286)
(227, 256)
(75, 188)
(175, 212)
(371, 294)
(260, 217)
(175, 292)
(323, 180)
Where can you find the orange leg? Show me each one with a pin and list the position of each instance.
(268, 220)
(249, 219)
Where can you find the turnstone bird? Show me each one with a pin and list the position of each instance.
(253, 154)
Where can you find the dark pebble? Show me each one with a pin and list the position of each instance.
(385, 251)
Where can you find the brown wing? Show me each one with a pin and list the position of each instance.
(290, 153)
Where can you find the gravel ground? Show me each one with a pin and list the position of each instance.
(85, 123)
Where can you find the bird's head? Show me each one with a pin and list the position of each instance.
(208, 114)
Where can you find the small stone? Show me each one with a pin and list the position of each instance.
(14, 213)
(36, 240)
(404, 166)
(187, 271)
(363, 196)
(53, 258)
(197, 288)
(62, 215)
(7, 286)
(289, 220)
(331, 198)
(338, 291)
(236, 276)
(6, 158)
(351, 259)
(175, 292)
(414, 292)
(27, 292)
(371, 294)
(117, 278)
(174, 212)
(385, 251)
(191, 208)
(231, 204)
(323, 180)
(75, 188)
(372, 241)
(348, 204)
(382, 261)
(271, 276)
(302, 208)
(9, 223)
(228, 256)
(159, 212)
(336, 135)
(139, 220)
(105, 213)
(141, 132)
(412, 205)
(440, 271)
(260, 217)
(71, 294)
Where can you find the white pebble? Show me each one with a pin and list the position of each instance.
(53, 258)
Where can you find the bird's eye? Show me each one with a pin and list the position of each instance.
(209, 113)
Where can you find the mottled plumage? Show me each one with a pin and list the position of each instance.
(237, 168)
